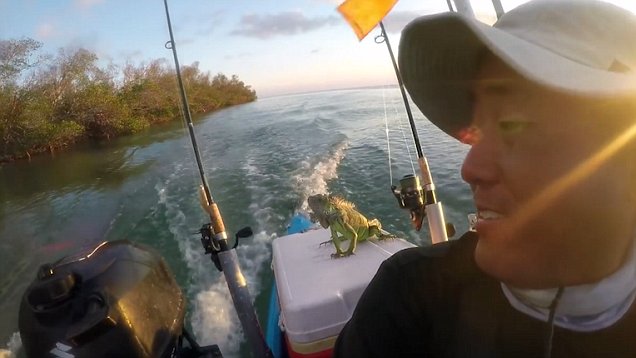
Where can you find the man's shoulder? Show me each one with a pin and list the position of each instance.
(451, 258)
(463, 245)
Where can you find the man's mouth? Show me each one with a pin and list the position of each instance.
(488, 215)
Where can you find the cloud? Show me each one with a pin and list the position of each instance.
(86, 4)
(204, 24)
(281, 24)
(46, 31)
(185, 41)
(335, 3)
(239, 55)
(396, 20)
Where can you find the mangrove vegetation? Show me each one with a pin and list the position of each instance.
(49, 101)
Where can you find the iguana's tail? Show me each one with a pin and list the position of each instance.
(375, 229)
(374, 226)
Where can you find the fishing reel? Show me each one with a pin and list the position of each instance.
(410, 195)
(213, 248)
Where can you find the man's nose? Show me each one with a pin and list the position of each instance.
(480, 165)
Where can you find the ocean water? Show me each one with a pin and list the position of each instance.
(262, 160)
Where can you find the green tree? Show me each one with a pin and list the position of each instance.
(49, 102)
(150, 91)
(16, 56)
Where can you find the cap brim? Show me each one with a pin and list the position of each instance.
(439, 56)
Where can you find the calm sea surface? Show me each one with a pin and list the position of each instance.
(263, 160)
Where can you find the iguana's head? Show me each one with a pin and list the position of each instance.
(319, 204)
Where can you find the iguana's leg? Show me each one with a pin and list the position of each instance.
(324, 221)
(353, 239)
(333, 234)
(336, 243)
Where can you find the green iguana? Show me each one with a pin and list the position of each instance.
(344, 221)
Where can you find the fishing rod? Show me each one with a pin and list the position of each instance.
(214, 236)
(499, 10)
(464, 7)
(420, 201)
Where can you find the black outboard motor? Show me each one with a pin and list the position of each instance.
(118, 299)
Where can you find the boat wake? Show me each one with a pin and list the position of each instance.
(12, 346)
(212, 316)
(313, 176)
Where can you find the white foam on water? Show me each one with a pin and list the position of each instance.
(212, 313)
(312, 179)
(12, 346)
(213, 317)
(264, 201)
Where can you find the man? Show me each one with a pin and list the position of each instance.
(546, 98)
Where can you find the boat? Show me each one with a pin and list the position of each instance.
(312, 297)
(303, 321)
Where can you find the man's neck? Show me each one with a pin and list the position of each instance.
(586, 308)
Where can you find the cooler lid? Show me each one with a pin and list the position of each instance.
(317, 293)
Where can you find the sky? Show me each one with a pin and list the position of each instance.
(275, 46)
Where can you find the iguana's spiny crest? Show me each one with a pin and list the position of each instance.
(344, 221)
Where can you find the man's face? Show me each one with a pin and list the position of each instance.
(553, 181)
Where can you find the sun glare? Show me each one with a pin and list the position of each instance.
(554, 191)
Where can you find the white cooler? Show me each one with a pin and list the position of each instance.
(318, 294)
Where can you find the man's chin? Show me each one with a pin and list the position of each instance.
(500, 263)
(513, 267)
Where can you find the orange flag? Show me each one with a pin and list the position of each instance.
(364, 15)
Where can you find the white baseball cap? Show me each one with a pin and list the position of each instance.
(583, 47)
